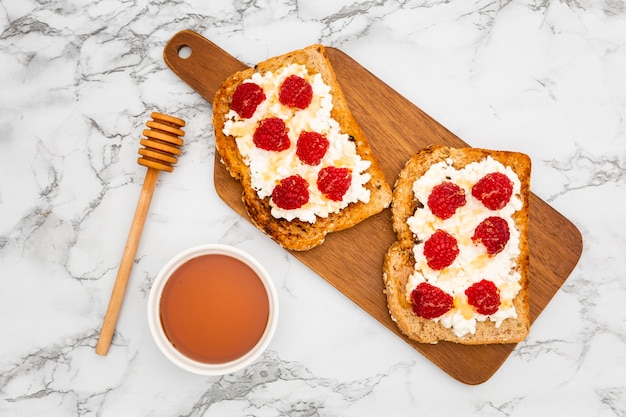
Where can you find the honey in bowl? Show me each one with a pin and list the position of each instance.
(214, 308)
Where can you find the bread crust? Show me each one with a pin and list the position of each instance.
(296, 234)
(399, 260)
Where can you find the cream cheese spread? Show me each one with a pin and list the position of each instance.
(472, 263)
(267, 168)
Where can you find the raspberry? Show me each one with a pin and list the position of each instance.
(493, 232)
(311, 147)
(246, 98)
(484, 296)
(440, 250)
(291, 193)
(271, 135)
(333, 182)
(445, 198)
(494, 190)
(295, 92)
(430, 302)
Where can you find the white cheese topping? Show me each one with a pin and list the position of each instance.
(473, 263)
(267, 168)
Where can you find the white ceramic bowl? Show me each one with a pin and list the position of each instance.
(154, 318)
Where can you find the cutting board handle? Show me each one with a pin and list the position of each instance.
(199, 62)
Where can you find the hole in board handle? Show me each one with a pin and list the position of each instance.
(184, 51)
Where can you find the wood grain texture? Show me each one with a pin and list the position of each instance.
(352, 260)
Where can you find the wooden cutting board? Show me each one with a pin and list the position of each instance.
(352, 260)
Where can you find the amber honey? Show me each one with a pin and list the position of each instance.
(214, 308)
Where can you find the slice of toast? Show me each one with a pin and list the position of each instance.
(400, 267)
(295, 233)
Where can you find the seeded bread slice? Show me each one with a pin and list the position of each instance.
(296, 234)
(399, 260)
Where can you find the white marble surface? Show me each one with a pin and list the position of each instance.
(78, 81)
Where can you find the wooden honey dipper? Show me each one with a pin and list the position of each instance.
(162, 147)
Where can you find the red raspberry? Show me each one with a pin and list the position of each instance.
(333, 182)
(440, 250)
(295, 92)
(494, 190)
(271, 135)
(246, 98)
(445, 198)
(484, 296)
(311, 147)
(430, 302)
(291, 193)
(493, 232)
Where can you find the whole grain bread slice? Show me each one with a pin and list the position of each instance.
(296, 234)
(399, 260)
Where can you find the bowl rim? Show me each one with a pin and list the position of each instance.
(154, 321)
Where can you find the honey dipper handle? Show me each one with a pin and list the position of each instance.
(126, 264)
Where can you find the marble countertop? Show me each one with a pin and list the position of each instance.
(80, 79)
